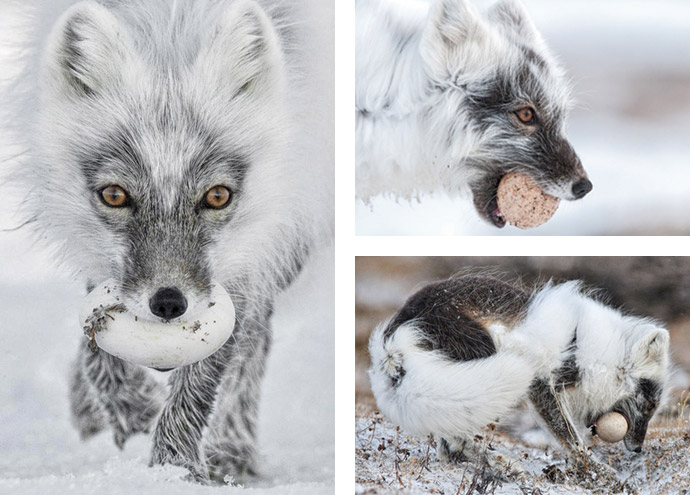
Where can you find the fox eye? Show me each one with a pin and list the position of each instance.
(526, 115)
(218, 197)
(114, 196)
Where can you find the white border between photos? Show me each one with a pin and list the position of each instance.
(344, 247)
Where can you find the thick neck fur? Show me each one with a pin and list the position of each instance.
(397, 151)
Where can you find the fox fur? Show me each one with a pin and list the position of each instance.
(438, 91)
(463, 352)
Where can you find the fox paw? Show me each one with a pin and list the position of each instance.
(164, 454)
(501, 465)
(137, 414)
(505, 465)
(231, 462)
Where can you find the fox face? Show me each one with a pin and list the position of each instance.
(640, 383)
(497, 85)
(155, 156)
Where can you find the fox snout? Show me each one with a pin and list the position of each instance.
(168, 303)
(561, 171)
(582, 188)
(632, 445)
(636, 433)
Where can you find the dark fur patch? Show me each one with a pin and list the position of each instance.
(449, 313)
(546, 403)
(569, 373)
(649, 389)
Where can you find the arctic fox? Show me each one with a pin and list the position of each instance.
(461, 353)
(164, 156)
(447, 99)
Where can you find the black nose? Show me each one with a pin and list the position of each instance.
(168, 303)
(580, 189)
(638, 450)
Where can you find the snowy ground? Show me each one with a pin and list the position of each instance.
(630, 64)
(389, 461)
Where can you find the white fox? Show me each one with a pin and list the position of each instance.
(462, 353)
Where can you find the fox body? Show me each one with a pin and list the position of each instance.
(449, 100)
(164, 157)
(462, 353)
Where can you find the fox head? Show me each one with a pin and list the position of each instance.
(163, 157)
(639, 382)
(645, 371)
(493, 81)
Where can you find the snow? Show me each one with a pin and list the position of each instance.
(418, 470)
(630, 65)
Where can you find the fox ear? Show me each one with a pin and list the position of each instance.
(652, 347)
(513, 17)
(244, 52)
(87, 50)
(453, 26)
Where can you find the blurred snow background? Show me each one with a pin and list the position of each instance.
(629, 61)
(40, 450)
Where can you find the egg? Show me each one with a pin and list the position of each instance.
(522, 202)
(143, 340)
(611, 427)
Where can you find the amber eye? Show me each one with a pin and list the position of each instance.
(526, 115)
(114, 196)
(218, 197)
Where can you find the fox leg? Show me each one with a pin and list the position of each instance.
(178, 433)
(238, 366)
(458, 449)
(231, 447)
(555, 414)
(106, 389)
(88, 415)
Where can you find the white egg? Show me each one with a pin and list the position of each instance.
(611, 427)
(156, 344)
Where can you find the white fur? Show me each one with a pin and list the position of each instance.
(440, 396)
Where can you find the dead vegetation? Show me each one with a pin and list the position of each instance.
(390, 462)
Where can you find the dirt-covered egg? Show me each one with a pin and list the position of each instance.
(522, 202)
(163, 345)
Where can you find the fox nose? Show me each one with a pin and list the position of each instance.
(168, 303)
(580, 189)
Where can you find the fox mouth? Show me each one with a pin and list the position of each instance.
(493, 212)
